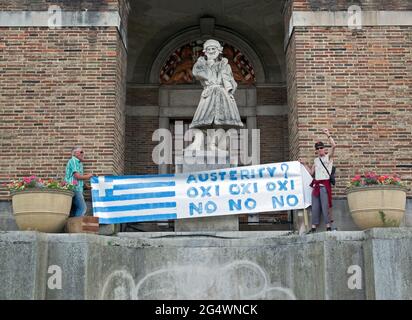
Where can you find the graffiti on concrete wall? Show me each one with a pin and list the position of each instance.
(238, 280)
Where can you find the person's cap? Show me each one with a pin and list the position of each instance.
(212, 43)
(319, 144)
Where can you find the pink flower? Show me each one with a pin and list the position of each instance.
(27, 179)
(371, 178)
(35, 182)
(382, 179)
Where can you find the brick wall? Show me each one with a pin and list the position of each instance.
(59, 88)
(139, 145)
(139, 131)
(142, 96)
(274, 145)
(120, 110)
(273, 138)
(271, 96)
(292, 100)
(359, 85)
(334, 5)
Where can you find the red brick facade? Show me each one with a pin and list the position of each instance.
(142, 97)
(139, 145)
(273, 139)
(271, 96)
(358, 84)
(66, 86)
(291, 92)
(60, 87)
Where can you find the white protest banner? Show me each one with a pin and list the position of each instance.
(251, 189)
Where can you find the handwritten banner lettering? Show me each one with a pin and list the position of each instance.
(252, 189)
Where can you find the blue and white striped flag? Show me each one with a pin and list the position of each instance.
(122, 199)
(251, 189)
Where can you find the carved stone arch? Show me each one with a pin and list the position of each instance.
(192, 34)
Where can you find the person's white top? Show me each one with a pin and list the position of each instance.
(320, 171)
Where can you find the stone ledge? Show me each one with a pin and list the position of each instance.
(8, 223)
(341, 18)
(313, 266)
(209, 238)
(61, 19)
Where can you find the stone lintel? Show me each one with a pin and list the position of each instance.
(56, 19)
(345, 19)
(188, 111)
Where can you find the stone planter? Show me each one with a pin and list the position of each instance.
(377, 206)
(45, 210)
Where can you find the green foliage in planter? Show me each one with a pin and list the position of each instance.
(35, 182)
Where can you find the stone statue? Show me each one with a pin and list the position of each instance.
(217, 106)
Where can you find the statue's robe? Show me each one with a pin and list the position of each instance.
(216, 106)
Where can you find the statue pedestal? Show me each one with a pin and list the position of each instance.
(220, 223)
(202, 162)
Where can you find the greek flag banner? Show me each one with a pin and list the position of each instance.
(251, 189)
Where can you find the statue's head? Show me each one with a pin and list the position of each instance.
(212, 49)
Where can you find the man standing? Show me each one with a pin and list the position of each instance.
(75, 175)
(322, 189)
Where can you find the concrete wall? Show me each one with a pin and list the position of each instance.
(226, 265)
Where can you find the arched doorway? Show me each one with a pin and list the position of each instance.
(179, 92)
(160, 89)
